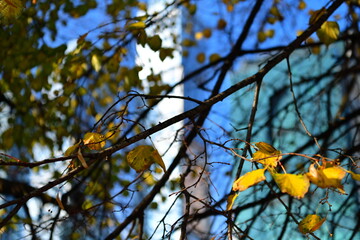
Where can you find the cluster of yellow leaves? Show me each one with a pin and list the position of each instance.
(324, 175)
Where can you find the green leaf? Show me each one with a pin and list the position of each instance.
(142, 157)
(329, 32)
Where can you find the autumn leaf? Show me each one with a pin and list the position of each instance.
(95, 62)
(72, 149)
(142, 157)
(329, 32)
(136, 25)
(230, 200)
(267, 155)
(327, 177)
(10, 9)
(94, 141)
(354, 176)
(249, 179)
(292, 184)
(310, 223)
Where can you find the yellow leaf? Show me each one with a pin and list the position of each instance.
(275, 12)
(95, 63)
(10, 9)
(199, 35)
(310, 223)
(270, 33)
(221, 24)
(327, 177)
(261, 36)
(158, 159)
(200, 57)
(141, 158)
(214, 57)
(230, 200)
(94, 141)
(207, 33)
(302, 5)
(292, 184)
(136, 25)
(354, 176)
(266, 148)
(329, 32)
(249, 179)
(72, 149)
(267, 154)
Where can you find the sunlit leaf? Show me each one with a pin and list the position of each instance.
(354, 176)
(72, 149)
(327, 177)
(230, 200)
(329, 32)
(310, 223)
(142, 157)
(292, 184)
(149, 178)
(249, 179)
(95, 62)
(94, 141)
(136, 25)
(267, 154)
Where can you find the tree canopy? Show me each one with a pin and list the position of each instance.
(179, 119)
